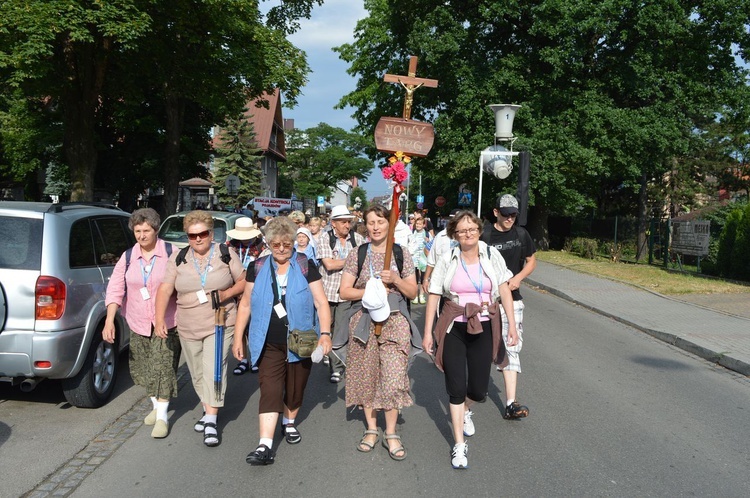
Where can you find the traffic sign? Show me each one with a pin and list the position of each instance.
(440, 201)
(420, 199)
(420, 205)
(321, 201)
(464, 199)
(232, 184)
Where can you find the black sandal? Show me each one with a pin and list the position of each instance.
(291, 434)
(241, 368)
(211, 438)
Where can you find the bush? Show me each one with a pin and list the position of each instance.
(726, 243)
(740, 259)
(584, 247)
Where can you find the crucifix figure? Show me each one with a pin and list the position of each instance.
(410, 83)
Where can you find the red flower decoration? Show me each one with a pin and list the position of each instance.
(396, 170)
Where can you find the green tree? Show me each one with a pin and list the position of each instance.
(612, 92)
(61, 50)
(320, 157)
(186, 63)
(238, 155)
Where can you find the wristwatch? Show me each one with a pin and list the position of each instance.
(325, 333)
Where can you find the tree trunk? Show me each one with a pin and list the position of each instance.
(175, 109)
(80, 149)
(85, 67)
(642, 241)
(537, 226)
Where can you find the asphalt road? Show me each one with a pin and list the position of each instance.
(614, 412)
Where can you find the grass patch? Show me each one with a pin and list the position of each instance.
(644, 275)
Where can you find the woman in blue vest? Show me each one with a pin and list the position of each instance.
(282, 293)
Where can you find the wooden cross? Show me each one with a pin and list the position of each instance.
(410, 83)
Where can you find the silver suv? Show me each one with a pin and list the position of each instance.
(55, 262)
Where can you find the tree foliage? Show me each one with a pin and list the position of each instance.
(612, 92)
(238, 155)
(123, 72)
(320, 157)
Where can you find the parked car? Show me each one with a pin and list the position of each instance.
(55, 262)
(172, 230)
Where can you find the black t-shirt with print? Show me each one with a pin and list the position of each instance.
(277, 330)
(515, 245)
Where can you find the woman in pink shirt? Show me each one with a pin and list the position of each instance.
(154, 356)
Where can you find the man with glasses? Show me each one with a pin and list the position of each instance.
(517, 248)
(333, 249)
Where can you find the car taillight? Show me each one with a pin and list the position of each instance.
(50, 298)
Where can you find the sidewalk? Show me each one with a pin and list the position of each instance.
(719, 335)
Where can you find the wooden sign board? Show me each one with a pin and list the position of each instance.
(413, 138)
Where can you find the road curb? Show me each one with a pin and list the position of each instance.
(66, 479)
(723, 359)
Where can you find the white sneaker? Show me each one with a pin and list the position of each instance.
(422, 299)
(459, 456)
(469, 429)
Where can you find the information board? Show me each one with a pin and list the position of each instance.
(691, 237)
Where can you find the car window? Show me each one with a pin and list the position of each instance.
(21, 243)
(113, 241)
(220, 231)
(172, 231)
(81, 245)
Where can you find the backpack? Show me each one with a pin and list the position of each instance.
(129, 254)
(225, 257)
(302, 261)
(332, 239)
(398, 255)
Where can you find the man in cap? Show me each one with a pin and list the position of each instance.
(517, 248)
(333, 249)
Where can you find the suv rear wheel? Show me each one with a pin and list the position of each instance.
(93, 385)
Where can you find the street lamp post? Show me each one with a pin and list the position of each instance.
(496, 159)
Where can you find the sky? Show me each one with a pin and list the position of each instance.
(332, 24)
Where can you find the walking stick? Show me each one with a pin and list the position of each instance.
(219, 322)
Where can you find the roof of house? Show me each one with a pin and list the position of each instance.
(196, 182)
(268, 123)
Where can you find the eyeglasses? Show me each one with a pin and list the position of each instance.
(468, 231)
(202, 235)
(277, 245)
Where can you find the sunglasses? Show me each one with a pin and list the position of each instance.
(202, 235)
(277, 245)
(511, 215)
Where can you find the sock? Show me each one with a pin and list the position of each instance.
(210, 418)
(153, 401)
(268, 441)
(509, 401)
(285, 420)
(161, 410)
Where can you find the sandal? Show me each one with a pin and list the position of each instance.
(241, 368)
(200, 425)
(391, 452)
(211, 435)
(291, 434)
(365, 442)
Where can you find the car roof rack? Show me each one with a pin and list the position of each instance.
(58, 207)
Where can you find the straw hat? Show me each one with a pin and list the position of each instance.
(244, 229)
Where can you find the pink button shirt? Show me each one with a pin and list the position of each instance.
(139, 312)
